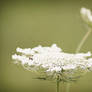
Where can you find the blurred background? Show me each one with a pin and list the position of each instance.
(26, 24)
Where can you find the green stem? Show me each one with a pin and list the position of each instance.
(77, 50)
(68, 87)
(57, 90)
(83, 40)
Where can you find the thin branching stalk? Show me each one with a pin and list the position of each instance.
(77, 50)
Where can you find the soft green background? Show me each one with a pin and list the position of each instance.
(30, 23)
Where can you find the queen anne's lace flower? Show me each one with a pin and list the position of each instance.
(86, 15)
(50, 62)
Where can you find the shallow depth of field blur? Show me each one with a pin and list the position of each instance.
(26, 24)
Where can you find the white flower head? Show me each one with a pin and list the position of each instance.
(49, 62)
(86, 15)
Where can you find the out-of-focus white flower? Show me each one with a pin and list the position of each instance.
(86, 15)
(49, 62)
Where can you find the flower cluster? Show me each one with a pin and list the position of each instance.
(86, 15)
(50, 62)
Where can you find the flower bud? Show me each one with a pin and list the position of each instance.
(86, 16)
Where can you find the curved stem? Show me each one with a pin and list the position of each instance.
(83, 40)
(57, 90)
(77, 50)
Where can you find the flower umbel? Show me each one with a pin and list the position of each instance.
(50, 62)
